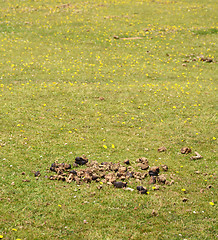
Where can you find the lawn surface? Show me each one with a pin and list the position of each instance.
(113, 80)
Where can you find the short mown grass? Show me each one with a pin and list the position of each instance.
(69, 87)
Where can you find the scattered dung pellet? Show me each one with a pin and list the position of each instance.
(198, 156)
(161, 179)
(152, 180)
(73, 172)
(140, 188)
(127, 161)
(167, 183)
(37, 174)
(172, 182)
(156, 187)
(67, 166)
(154, 171)
(142, 160)
(120, 184)
(130, 174)
(143, 166)
(186, 150)
(122, 170)
(52, 177)
(25, 180)
(143, 191)
(81, 160)
(165, 167)
(154, 212)
(162, 149)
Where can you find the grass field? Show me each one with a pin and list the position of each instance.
(113, 80)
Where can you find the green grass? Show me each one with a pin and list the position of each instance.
(207, 31)
(56, 62)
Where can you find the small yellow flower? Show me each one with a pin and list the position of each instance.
(104, 146)
(14, 229)
(214, 138)
(59, 205)
(174, 106)
(183, 190)
(1, 236)
(112, 146)
(211, 203)
(101, 183)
